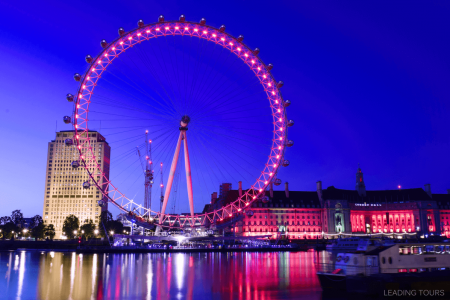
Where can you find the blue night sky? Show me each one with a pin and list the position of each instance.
(368, 83)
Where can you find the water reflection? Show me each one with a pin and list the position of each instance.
(49, 275)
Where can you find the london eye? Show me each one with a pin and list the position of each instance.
(185, 107)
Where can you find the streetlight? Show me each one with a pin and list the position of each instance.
(95, 231)
(112, 232)
(82, 231)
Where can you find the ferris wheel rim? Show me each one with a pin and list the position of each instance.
(180, 28)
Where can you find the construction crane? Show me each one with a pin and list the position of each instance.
(147, 168)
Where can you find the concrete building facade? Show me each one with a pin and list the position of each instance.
(64, 191)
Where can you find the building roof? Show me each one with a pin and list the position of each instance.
(296, 198)
(442, 200)
(417, 194)
(377, 251)
(78, 130)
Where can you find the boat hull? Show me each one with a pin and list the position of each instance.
(388, 284)
(332, 281)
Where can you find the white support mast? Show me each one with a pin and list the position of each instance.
(182, 137)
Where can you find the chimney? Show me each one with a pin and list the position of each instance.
(213, 198)
(240, 188)
(271, 190)
(319, 190)
(286, 189)
(428, 189)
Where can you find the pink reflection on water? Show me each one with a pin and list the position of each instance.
(263, 276)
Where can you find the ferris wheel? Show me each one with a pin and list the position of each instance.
(180, 86)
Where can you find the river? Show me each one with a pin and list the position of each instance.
(67, 275)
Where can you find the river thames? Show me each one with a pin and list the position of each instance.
(67, 275)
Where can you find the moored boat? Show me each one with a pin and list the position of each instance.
(405, 266)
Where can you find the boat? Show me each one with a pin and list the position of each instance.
(387, 268)
(357, 244)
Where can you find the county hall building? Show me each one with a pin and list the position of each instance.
(333, 212)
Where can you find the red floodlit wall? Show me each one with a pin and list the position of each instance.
(399, 221)
(445, 222)
(298, 223)
(430, 221)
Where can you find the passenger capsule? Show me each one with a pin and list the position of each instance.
(256, 51)
(277, 181)
(287, 103)
(161, 19)
(285, 163)
(280, 84)
(69, 97)
(101, 203)
(68, 142)
(141, 23)
(240, 38)
(269, 67)
(75, 164)
(182, 18)
(121, 31)
(265, 199)
(89, 59)
(86, 185)
(290, 143)
(77, 77)
(222, 28)
(250, 213)
(67, 119)
(104, 44)
(290, 123)
(203, 21)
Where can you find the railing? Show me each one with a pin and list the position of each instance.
(347, 269)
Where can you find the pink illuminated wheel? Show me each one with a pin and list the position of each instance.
(213, 112)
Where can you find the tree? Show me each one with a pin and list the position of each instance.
(105, 216)
(38, 231)
(88, 227)
(9, 229)
(17, 218)
(71, 223)
(114, 226)
(35, 221)
(49, 231)
(5, 219)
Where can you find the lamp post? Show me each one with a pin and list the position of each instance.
(96, 231)
(75, 233)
